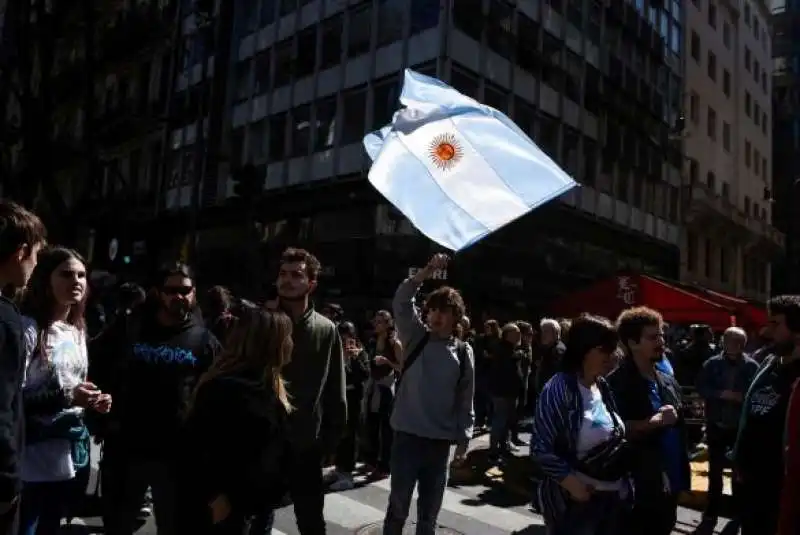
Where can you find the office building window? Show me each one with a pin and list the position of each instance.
(331, 42)
(325, 119)
(267, 12)
(301, 130)
(359, 31)
(288, 6)
(242, 77)
(527, 56)
(748, 104)
(573, 70)
(712, 123)
(496, 97)
(499, 27)
(468, 17)
(525, 117)
(726, 82)
(306, 52)
(424, 15)
(464, 81)
(258, 140)
(724, 268)
(711, 181)
(354, 115)
(708, 250)
(391, 20)
(747, 154)
(712, 66)
(262, 67)
(694, 46)
(726, 136)
(548, 136)
(590, 153)
(712, 15)
(284, 63)
(726, 35)
(691, 251)
(747, 58)
(757, 114)
(694, 107)
(385, 101)
(571, 153)
(277, 137)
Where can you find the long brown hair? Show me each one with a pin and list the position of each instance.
(259, 340)
(38, 302)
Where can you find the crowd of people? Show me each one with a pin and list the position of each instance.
(217, 417)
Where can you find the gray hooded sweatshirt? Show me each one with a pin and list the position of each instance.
(433, 401)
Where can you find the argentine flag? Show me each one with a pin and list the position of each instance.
(457, 169)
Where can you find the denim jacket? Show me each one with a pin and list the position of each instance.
(721, 373)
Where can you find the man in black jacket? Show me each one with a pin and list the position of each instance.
(22, 234)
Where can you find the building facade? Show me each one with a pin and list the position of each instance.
(597, 86)
(786, 136)
(730, 241)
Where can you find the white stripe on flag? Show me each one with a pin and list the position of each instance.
(349, 513)
(487, 514)
(470, 182)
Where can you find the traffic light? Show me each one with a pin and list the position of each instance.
(246, 182)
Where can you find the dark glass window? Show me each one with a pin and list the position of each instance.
(547, 138)
(301, 130)
(325, 136)
(589, 161)
(572, 86)
(237, 152)
(527, 44)
(391, 19)
(242, 76)
(424, 15)
(359, 31)
(495, 97)
(306, 52)
(288, 6)
(267, 15)
(277, 137)
(354, 107)
(257, 143)
(465, 82)
(525, 117)
(385, 102)
(499, 27)
(331, 42)
(571, 155)
(592, 90)
(468, 17)
(262, 72)
(284, 63)
(552, 74)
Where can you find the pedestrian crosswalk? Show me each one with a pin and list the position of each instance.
(469, 510)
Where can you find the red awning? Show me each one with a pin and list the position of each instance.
(748, 315)
(609, 297)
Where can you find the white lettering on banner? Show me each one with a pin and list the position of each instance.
(626, 290)
(439, 274)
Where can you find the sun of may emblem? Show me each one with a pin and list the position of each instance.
(445, 151)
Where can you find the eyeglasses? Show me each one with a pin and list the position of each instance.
(177, 290)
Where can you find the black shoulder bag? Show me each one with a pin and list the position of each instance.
(608, 461)
(412, 358)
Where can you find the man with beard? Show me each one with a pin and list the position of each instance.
(157, 358)
(759, 454)
(649, 401)
(316, 382)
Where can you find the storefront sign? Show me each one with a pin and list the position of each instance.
(439, 274)
(626, 290)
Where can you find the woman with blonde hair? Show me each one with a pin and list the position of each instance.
(235, 426)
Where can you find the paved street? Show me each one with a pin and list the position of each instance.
(470, 510)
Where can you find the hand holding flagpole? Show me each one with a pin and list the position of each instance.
(437, 262)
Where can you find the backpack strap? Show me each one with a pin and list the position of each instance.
(412, 357)
(463, 356)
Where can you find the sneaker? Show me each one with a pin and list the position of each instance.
(145, 512)
(344, 482)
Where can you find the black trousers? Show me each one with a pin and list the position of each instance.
(346, 452)
(378, 452)
(653, 515)
(720, 441)
(9, 522)
(759, 506)
(307, 492)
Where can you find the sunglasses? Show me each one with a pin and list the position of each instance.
(177, 290)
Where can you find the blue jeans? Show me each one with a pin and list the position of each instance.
(601, 515)
(43, 505)
(420, 462)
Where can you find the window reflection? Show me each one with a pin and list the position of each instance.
(354, 116)
(331, 42)
(277, 137)
(325, 136)
(301, 130)
(359, 31)
(391, 19)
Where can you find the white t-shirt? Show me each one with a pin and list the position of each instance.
(65, 368)
(596, 427)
